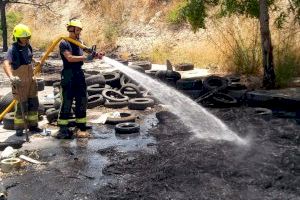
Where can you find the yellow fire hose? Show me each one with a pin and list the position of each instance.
(38, 68)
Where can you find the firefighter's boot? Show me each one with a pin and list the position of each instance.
(64, 133)
(35, 129)
(19, 132)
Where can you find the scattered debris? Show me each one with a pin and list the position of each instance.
(26, 158)
(9, 164)
(8, 152)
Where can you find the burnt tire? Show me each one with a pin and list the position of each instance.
(112, 79)
(5, 101)
(184, 67)
(132, 89)
(40, 84)
(236, 86)
(125, 80)
(57, 103)
(95, 100)
(223, 100)
(95, 79)
(48, 106)
(233, 78)
(168, 76)
(215, 82)
(151, 73)
(56, 91)
(51, 80)
(41, 109)
(193, 94)
(97, 89)
(52, 115)
(8, 121)
(56, 84)
(140, 103)
(88, 73)
(124, 117)
(121, 104)
(128, 127)
(189, 84)
(113, 95)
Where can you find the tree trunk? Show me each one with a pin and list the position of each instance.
(267, 50)
(3, 24)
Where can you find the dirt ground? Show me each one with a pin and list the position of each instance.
(166, 161)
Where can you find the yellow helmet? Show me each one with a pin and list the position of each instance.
(21, 31)
(75, 23)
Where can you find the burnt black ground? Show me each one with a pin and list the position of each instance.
(187, 168)
(181, 167)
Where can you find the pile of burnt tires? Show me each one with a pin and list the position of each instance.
(213, 91)
(111, 90)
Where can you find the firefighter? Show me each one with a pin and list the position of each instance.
(19, 66)
(73, 84)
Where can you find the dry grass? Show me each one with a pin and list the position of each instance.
(201, 53)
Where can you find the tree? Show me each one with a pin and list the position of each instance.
(195, 12)
(3, 4)
(3, 23)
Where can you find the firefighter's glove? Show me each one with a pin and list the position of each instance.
(100, 55)
(36, 64)
(15, 80)
(91, 56)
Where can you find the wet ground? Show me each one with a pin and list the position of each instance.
(166, 161)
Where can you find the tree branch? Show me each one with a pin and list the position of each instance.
(46, 5)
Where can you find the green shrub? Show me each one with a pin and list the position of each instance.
(12, 19)
(287, 66)
(246, 59)
(175, 16)
(242, 56)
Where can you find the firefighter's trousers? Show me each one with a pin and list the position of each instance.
(26, 94)
(73, 86)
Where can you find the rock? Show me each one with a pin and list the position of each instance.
(8, 152)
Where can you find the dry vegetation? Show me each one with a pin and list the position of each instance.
(231, 44)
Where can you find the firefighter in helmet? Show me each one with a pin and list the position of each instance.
(19, 66)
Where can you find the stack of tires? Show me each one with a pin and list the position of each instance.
(139, 100)
(95, 85)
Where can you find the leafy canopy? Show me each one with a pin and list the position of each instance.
(195, 11)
